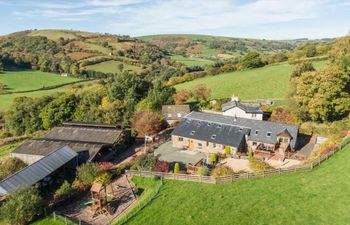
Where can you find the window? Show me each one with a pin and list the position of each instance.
(209, 124)
(199, 145)
(253, 115)
(240, 129)
(256, 132)
(268, 134)
(169, 115)
(180, 139)
(179, 115)
(214, 145)
(192, 132)
(207, 143)
(213, 136)
(254, 143)
(219, 126)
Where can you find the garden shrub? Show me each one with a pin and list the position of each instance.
(227, 150)
(177, 168)
(124, 166)
(161, 166)
(250, 153)
(22, 206)
(65, 189)
(258, 165)
(105, 165)
(87, 173)
(213, 158)
(104, 178)
(145, 162)
(10, 166)
(203, 171)
(222, 171)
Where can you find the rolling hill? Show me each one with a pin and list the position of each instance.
(269, 82)
(216, 47)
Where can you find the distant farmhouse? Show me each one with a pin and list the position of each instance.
(91, 141)
(212, 133)
(243, 110)
(174, 113)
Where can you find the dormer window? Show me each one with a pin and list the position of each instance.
(179, 115)
(192, 132)
(268, 134)
(169, 115)
(256, 132)
(213, 136)
(219, 126)
(240, 129)
(209, 124)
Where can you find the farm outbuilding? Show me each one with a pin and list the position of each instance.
(37, 171)
(91, 141)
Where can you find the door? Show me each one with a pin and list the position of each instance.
(191, 145)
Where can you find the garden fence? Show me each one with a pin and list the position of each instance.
(239, 176)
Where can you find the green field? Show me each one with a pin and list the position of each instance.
(269, 82)
(191, 61)
(32, 80)
(317, 197)
(112, 67)
(8, 147)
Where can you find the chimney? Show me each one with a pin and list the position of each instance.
(234, 98)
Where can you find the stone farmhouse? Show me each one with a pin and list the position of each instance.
(212, 133)
(243, 110)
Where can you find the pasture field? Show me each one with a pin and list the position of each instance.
(191, 61)
(313, 198)
(112, 67)
(269, 82)
(32, 80)
(8, 147)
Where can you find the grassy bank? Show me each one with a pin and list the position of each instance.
(317, 197)
(269, 82)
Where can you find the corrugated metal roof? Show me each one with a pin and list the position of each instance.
(37, 171)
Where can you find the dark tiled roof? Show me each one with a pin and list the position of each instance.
(85, 134)
(44, 147)
(247, 107)
(38, 170)
(175, 112)
(262, 131)
(211, 132)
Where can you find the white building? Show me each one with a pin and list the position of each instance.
(242, 110)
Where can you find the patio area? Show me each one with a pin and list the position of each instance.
(166, 152)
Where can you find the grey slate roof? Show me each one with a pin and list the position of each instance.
(37, 171)
(175, 112)
(247, 107)
(205, 130)
(257, 129)
(44, 147)
(84, 134)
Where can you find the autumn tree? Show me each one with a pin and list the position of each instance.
(147, 122)
(320, 95)
(181, 96)
(201, 93)
(301, 68)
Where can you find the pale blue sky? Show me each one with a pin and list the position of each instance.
(270, 19)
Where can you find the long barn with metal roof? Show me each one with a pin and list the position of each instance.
(37, 171)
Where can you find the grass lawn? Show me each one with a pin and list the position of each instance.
(8, 147)
(191, 61)
(269, 82)
(112, 67)
(50, 220)
(317, 197)
(31, 80)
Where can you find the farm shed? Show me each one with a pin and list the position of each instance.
(37, 171)
(91, 141)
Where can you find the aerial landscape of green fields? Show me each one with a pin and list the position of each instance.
(174, 112)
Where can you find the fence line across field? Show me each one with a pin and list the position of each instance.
(238, 176)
